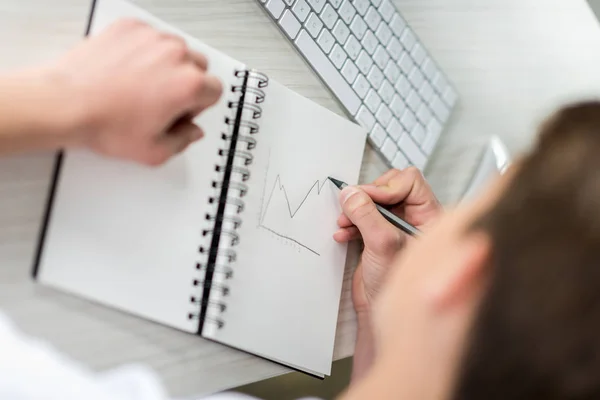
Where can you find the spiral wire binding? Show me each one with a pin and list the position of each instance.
(238, 143)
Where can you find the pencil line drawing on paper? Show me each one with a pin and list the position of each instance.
(279, 191)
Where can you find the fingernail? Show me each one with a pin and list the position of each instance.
(348, 192)
(369, 185)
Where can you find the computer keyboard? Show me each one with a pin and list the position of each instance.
(375, 65)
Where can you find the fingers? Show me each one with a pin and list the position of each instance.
(208, 93)
(346, 234)
(407, 186)
(344, 222)
(200, 60)
(176, 140)
(377, 233)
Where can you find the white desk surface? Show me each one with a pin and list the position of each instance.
(512, 61)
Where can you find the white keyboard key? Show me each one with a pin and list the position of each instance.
(370, 42)
(394, 48)
(275, 8)
(426, 91)
(440, 109)
(349, 71)
(387, 10)
(375, 77)
(439, 82)
(384, 34)
(373, 19)
(384, 115)
(347, 11)
(373, 101)
(338, 56)
(418, 133)
(301, 9)
(290, 24)
(434, 129)
(400, 161)
(391, 71)
(450, 96)
(317, 4)
(418, 54)
(424, 114)
(377, 135)
(381, 57)
(403, 86)
(361, 6)
(413, 101)
(376, 3)
(352, 47)
(326, 40)
(416, 77)
(398, 106)
(406, 63)
(335, 3)
(361, 86)
(386, 91)
(308, 47)
(358, 27)
(389, 148)
(395, 129)
(408, 39)
(408, 120)
(429, 68)
(341, 32)
(412, 151)
(365, 118)
(314, 24)
(419, 104)
(398, 24)
(329, 16)
(364, 62)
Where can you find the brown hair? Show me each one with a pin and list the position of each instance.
(537, 333)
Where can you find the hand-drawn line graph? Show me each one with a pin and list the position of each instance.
(279, 191)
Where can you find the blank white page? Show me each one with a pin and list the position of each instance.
(127, 235)
(285, 292)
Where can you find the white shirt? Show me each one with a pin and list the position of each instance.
(32, 370)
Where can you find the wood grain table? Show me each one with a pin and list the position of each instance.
(512, 61)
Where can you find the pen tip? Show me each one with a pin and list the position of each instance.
(336, 182)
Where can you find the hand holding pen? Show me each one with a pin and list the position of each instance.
(406, 195)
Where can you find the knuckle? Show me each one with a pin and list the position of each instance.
(177, 48)
(414, 173)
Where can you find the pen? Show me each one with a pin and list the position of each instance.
(387, 214)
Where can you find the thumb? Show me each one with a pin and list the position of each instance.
(378, 234)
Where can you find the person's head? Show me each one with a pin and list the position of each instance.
(502, 299)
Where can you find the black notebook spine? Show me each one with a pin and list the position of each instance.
(218, 254)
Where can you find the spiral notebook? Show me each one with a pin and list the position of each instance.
(232, 239)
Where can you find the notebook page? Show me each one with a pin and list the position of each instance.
(127, 235)
(285, 292)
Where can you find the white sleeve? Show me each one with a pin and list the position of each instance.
(32, 370)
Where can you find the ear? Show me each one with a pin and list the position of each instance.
(464, 273)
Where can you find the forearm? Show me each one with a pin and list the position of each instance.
(364, 351)
(37, 112)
